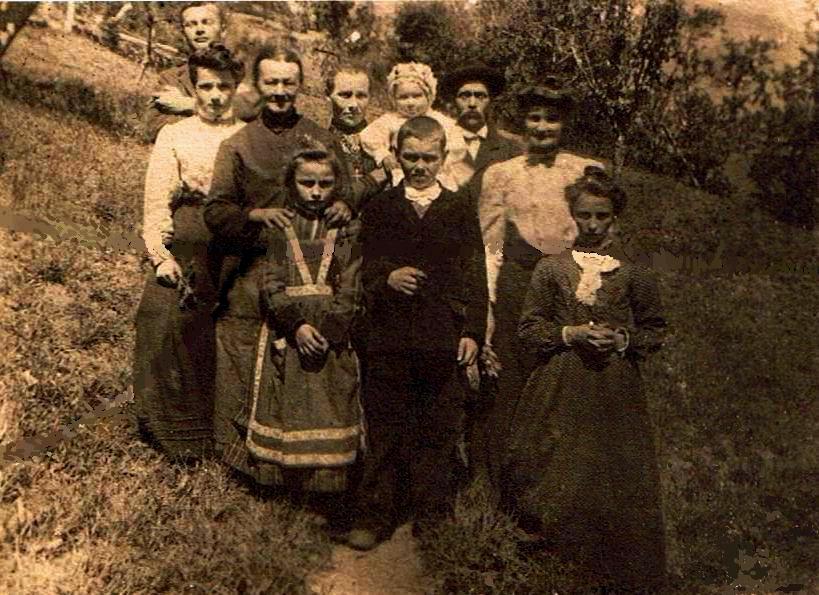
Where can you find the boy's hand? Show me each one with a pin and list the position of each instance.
(279, 218)
(168, 273)
(310, 342)
(491, 362)
(467, 351)
(390, 163)
(407, 280)
(171, 100)
(338, 214)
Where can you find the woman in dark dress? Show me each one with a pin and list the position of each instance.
(245, 211)
(523, 217)
(174, 357)
(582, 467)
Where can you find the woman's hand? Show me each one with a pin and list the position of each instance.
(168, 273)
(310, 342)
(598, 339)
(390, 163)
(490, 361)
(338, 214)
(467, 351)
(279, 218)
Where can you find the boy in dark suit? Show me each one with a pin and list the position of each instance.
(424, 277)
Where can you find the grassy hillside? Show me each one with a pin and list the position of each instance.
(104, 513)
(732, 394)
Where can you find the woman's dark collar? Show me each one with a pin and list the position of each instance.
(341, 128)
(283, 121)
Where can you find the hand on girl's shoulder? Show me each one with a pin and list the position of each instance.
(350, 231)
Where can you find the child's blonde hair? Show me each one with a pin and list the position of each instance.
(418, 73)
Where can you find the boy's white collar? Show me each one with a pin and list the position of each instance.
(425, 196)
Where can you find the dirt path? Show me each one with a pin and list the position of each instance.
(394, 567)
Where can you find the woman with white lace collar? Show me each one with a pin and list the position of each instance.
(581, 467)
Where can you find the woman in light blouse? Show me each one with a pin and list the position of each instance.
(174, 358)
(524, 217)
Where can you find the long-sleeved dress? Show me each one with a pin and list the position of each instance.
(249, 173)
(524, 215)
(302, 422)
(581, 458)
(174, 353)
(380, 136)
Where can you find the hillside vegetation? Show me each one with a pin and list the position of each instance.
(733, 393)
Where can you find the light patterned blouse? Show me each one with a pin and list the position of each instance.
(530, 195)
(184, 152)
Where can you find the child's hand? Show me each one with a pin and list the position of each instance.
(490, 361)
(168, 273)
(279, 218)
(338, 214)
(467, 351)
(310, 342)
(406, 280)
(390, 163)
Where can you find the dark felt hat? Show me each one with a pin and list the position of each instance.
(549, 92)
(493, 79)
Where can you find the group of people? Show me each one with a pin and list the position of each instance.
(334, 310)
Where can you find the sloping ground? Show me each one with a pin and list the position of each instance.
(105, 513)
(75, 74)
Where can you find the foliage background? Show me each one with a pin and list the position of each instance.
(732, 395)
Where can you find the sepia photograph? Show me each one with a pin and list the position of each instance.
(409, 297)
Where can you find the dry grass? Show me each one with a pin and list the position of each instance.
(103, 513)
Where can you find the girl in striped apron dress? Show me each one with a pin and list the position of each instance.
(303, 417)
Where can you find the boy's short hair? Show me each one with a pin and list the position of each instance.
(422, 128)
(217, 57)
(280, 50)
(330, 79)
(596, 182)
(309, 149)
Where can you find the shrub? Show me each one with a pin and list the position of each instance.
(479, 550)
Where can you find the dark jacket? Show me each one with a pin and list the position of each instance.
(155, 117)
(446, 244)
(498, 146)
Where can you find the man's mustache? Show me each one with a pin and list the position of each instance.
(280, 97)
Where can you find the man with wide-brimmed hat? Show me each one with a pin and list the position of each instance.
(470, 90)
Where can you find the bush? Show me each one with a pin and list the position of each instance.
(479, 550)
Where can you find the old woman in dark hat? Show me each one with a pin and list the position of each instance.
(524, 216)
(470, 91)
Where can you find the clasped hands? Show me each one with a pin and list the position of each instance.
(597, 338)
(409, 280)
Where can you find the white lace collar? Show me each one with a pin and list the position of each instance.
(592, 265)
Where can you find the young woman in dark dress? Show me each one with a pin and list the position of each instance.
(582, 467)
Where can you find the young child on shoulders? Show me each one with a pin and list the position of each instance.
(412, 88)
